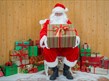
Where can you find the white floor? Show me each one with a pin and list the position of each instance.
(40, 76)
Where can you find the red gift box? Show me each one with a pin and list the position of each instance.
(105, 64)
(37, 42)
(76, 67)
(93, 61)
(33, 70)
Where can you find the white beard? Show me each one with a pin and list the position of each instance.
(58, 19)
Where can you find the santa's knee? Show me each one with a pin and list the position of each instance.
(69, 62)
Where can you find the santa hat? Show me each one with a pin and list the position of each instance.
(59, 8)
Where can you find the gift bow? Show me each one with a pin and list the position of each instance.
(60, 30)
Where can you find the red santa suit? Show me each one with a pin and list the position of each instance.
(70, 54)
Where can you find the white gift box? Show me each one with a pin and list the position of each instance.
(98, 70)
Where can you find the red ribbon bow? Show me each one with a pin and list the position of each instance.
(60, 29)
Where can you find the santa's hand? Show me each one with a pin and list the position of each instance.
(77, 42)
(43, 42)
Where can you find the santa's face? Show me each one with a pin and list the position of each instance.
(58, 18)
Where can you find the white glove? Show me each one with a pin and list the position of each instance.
(77, 41)
(44, 41)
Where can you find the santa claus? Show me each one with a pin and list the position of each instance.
(70, 55)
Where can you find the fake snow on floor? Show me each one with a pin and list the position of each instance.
(40, 76)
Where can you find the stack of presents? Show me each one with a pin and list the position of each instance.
(91, 62)
(26, 57)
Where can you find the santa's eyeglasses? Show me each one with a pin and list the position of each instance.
(58, 14)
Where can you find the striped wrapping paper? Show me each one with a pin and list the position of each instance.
(61, 36)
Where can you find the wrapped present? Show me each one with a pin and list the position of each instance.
(85, 52)
(98, 70)
(25, 69)
(1, 72)
(19, 45)
(94, 54)
(13, 56)
(33, 70)
(20, 57)
(32, 60)
(37, 42)
(84, 68)
(28, 69)
(93, 61)
(22, 69)
(37, 60)
(40, 67)
(29, 66)
(40, 59)
(76, 67)
(61, 36)
(105, 63)
(33, 51)
(10, 69)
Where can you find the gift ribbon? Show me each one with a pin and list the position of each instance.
(20, 54)
(23, 45)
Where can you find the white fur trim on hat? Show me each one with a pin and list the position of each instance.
(58, 9)
(66, 9)
(51, 64)
(42, 21)
(68, 63)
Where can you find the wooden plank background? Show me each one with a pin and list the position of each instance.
(19, 20)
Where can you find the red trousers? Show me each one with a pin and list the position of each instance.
(70, 56)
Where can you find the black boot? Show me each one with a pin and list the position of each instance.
(66, 72)
(55, 73)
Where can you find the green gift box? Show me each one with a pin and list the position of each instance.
(20, 42)
(26, 42)
(22, 70)
(10, 70)
(85, 52)
(18, 48)
(61, 36)
(33, 51)
(40, 67)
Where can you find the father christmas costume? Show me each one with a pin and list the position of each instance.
(70, 55)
